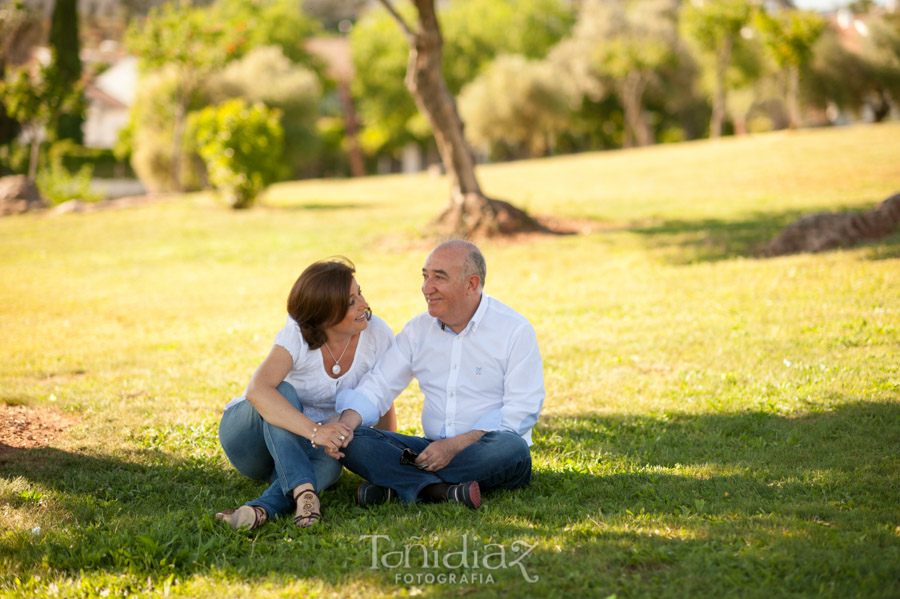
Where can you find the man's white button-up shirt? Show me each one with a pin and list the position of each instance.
(488, 377)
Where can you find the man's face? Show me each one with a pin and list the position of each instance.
(446, 291)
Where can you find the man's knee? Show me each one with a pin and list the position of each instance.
(363, 436)
(506, 444)
(365, 432)
(512, 450)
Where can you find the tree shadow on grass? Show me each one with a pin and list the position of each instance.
(712, 240)
(664, 505)
(848, 451)
(318, 206)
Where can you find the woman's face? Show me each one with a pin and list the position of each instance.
(356, 319)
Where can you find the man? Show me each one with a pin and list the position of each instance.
(479, 367)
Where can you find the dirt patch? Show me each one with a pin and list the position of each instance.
(26, 427)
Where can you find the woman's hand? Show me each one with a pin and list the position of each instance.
(331, 437)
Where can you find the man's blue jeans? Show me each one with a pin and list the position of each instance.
(499, 460)
(263, 451)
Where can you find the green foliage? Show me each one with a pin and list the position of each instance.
(241, 145)
(881, 49)
(474, 33)
(67, 52)
(151, 129)
(478, 31)
(57, 184)
(837, 75)
(36, 99)
(185, 39)
(721, 31)
(620, 47)
(266, 75)
(261, 23)
(711, 24)
(385, 106)
(716, 32)
(37, 96)
(515, 103)
(74, 156)
(789, 35)
(180, 34)
(193, 45)
(630, 37)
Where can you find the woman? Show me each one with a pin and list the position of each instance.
(284, 428)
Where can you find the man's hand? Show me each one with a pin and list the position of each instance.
(440, 453)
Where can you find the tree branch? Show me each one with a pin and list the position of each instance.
(406, 28)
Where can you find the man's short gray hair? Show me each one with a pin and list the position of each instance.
(475, 264)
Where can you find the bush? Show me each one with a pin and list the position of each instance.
(241, 145)
(58, 185)
(14, 158)
(104, 162)
(149, 136)
(516, 103)
(266, 75)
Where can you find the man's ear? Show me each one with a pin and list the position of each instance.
(472, 283)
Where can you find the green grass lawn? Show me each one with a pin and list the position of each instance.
(717, 424)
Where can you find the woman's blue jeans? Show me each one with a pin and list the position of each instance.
(499, 460)
(263, 451)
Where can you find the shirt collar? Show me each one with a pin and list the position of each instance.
(472, 326)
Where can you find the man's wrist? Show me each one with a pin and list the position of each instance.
(351, 418)
(466, 439)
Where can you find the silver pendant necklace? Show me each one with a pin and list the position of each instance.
(336, 369)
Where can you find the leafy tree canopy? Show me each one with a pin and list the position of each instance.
(474, 32)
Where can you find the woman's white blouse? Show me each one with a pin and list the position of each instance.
(315, 388)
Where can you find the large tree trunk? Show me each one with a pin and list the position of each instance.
(468, 212)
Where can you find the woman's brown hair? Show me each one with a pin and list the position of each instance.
(321, 297)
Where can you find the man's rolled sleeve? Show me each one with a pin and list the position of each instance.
(348, 399)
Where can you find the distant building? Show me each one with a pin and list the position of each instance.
(110, 97)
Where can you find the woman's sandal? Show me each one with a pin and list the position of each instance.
(252, 516)
(307, 505)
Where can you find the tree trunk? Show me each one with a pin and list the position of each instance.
(35, 154)
(723, 57)
(793, 96)
(633, 87)
(177, 136)
(881, 105)
(354, 153)
(468, 212)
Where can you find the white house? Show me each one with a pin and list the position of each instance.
(110, 97)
